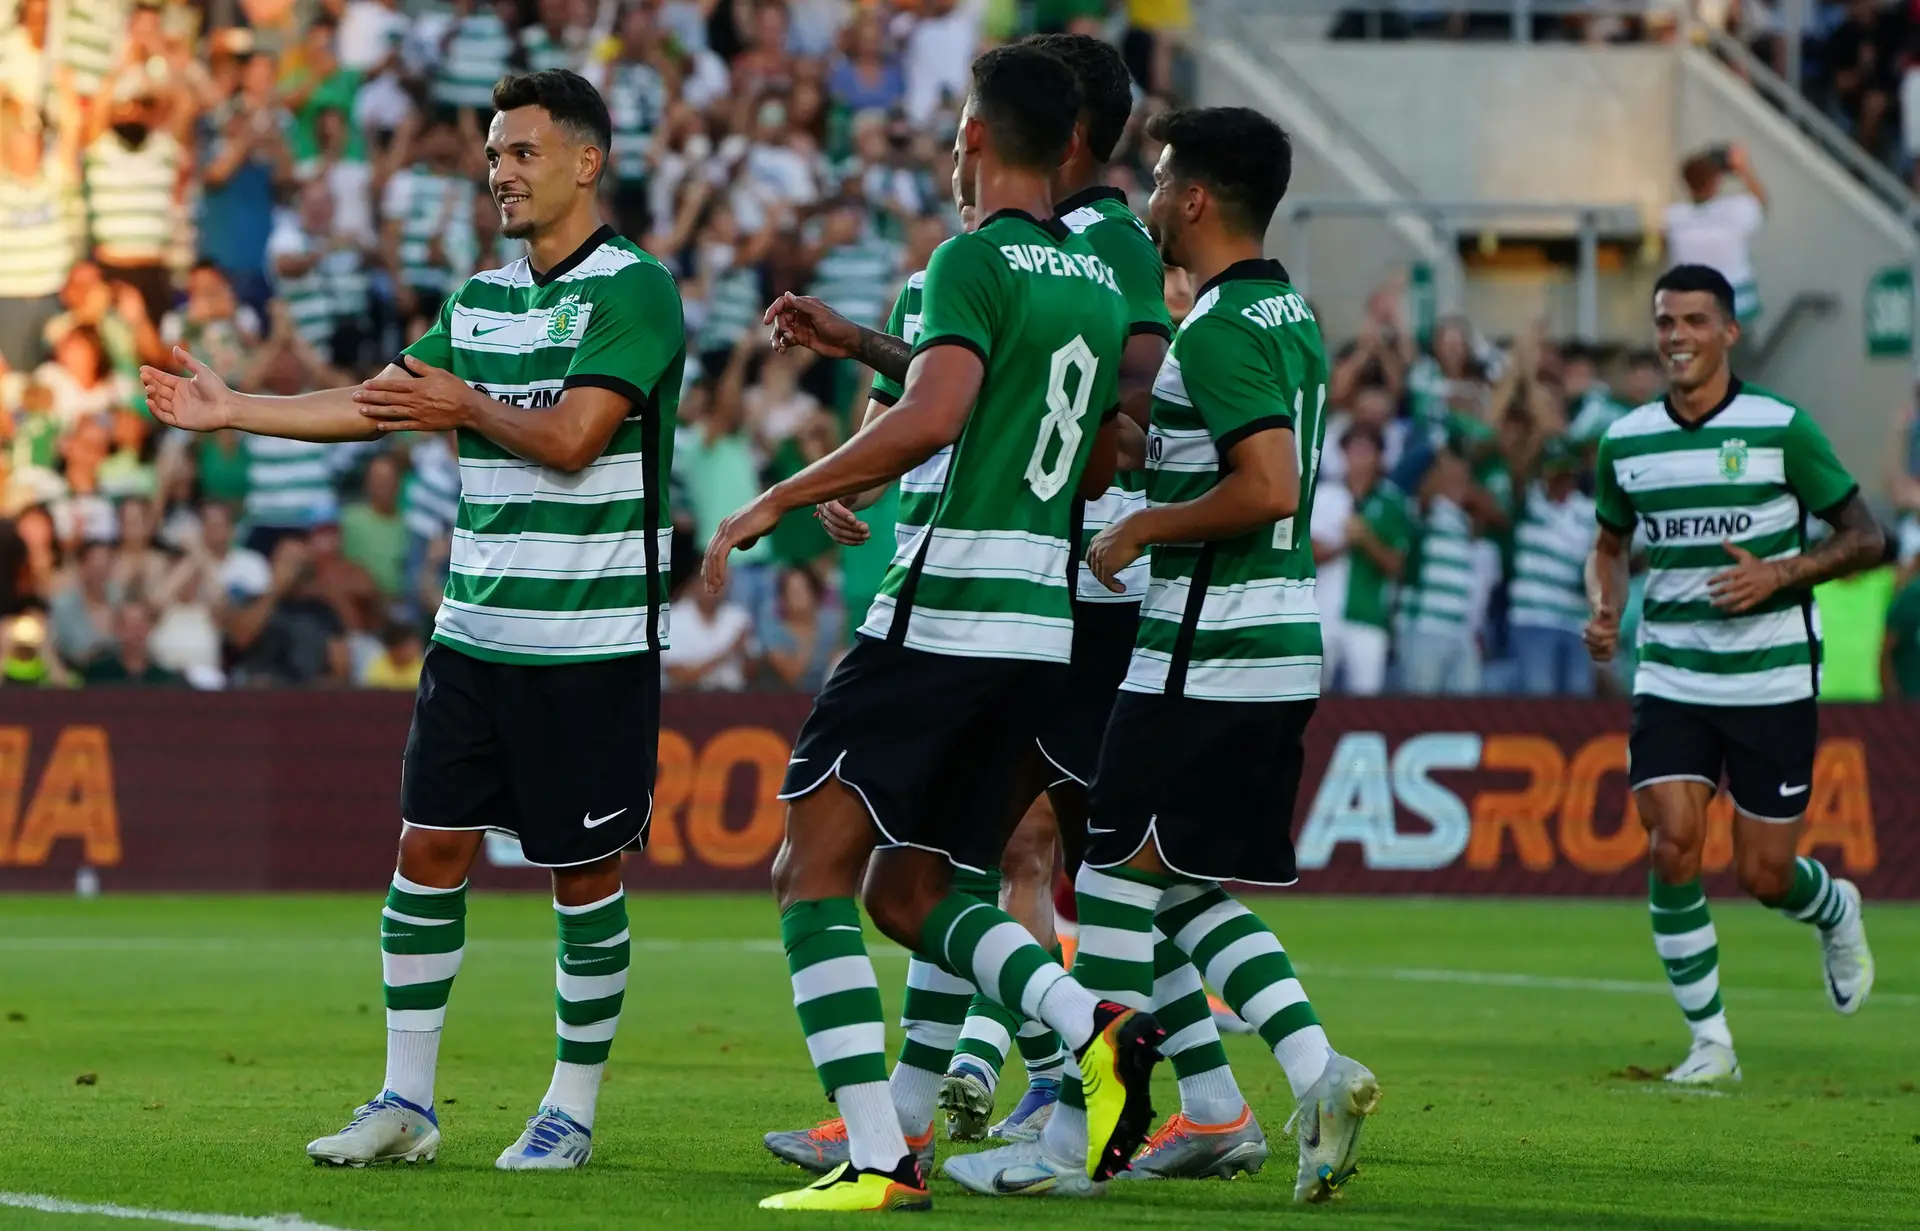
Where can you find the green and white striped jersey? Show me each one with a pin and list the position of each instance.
(335, 286)
(428, 206)
(289, 483)
(1234, 619)
(1101, 216)
(544, 51)
(478, 52)
(1439, 596)
(130, 197)
(1747, 473)
(85, 36)
(854, 278)
(547, 566)
(1548, 587)
(734, 306)
(636, 103)
(987, 576)
(39, 248)
(919, 487)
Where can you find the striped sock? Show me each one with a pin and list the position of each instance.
(1684, 938)
(1242, 957)
(982, 942)
(986, 1038)
(1208, 1092)
(590, 983)
(1814, 897)
(1065, 1135)
(838, 1000)
(423, 933)
(1042, 1051)
(931, 1015)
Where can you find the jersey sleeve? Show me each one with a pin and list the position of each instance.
(886, 390)
(962, 301)
(1390, 522)
(1611, 506)
(1813, 472)
(1232, 382)
(435, 346)
(633, 335)
(1143, 281)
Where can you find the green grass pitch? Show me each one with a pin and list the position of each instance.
(1514, 1040)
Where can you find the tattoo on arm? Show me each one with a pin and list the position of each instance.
(885, 354)
(1856, 543)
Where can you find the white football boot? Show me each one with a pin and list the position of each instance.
(1846, 958)
(1327, 1125)
(1708, 1061)
(1018, 1170)
(387, 1130)
(553, 1141)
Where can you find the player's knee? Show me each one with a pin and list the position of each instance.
(898, 908)
(437, 858)
(1029, 855)
(1676, 862)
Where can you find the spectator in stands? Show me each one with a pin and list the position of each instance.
(1547, 598)
(119, 313)
(637, 94)
(80, 614)
(80, 378)
(1451, 379)
(373, 535)
(477, 50)
(289, 487)
(553, 40)
(321, 275)
(940, 48)
(140, 570)
(1155, 29)
(867, 77)
(1442, 607)
(1361, 535)
(246, 166)
(397, 666)
(129, 662)
(428, 506)
(135, 189)
(35, 191)
(213, 325)
(127, 473)
(290, 634)
(716, 456)
(801, 643)
(712, 642)
(1863, 63)
(421, 203)
(1715, 227)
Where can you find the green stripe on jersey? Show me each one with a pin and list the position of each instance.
(1439, 596)
(427, 205)
(854, 278)
(34, 216)
(636, 102)
(549, 566)
(477, 55)
(289, 482)
(130, 195)
(1234, 619)
(1548, 586)
(986, 575)
(1748, 473)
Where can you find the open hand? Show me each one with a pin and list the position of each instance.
(430, 400)
(842, 525)
(198, 402)
(1111, 551)
(742, 528)
(806, 322)
(1750, 582)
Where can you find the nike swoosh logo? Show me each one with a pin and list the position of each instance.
(1834, 989)
(796, 760)
(1001, 1184)
(481, 333)
(594, 822)
(1794, 790)
(567, 960)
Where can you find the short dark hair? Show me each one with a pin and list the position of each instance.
(1029, 102)
(1243, 158)
(568, 98)
(1699, 278)
(1105, 85)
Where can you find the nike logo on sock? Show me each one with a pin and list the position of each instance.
(594, 822)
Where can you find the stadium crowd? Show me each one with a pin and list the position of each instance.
(290, 191)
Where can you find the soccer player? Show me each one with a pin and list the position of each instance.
(538, 710)
(1203, 752)
(1215, 1133)
(916, 743)
(1719, 476)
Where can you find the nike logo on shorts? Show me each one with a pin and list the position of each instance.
(1794, 790)
(594, 822)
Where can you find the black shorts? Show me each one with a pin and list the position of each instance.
(932, 743)
(1765, 752)
(561, 757)
(1210, 783)
(1076, 720)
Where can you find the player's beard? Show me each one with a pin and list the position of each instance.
(522, 229)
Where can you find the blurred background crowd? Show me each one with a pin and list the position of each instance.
(289, 188)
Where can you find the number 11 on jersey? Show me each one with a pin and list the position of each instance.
(1283, 529)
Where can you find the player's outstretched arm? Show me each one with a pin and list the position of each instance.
(807, 322)
(1857, 543)
(566, 436)
(1608, 578)
(942, 383)
(201, 402)
(1261, 486)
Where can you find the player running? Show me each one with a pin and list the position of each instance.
(1203, 752)
(538, 709)
(915, 744)
(1719, 476)
(1215, 1132)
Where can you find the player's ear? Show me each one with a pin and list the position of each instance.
(593, 160)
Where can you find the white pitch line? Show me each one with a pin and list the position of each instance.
(877, 948)
(179, 1218)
